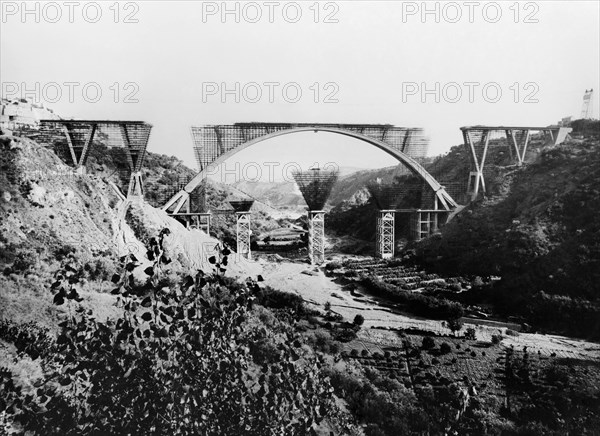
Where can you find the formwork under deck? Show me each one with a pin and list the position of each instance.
(214, 144)
(131, 136)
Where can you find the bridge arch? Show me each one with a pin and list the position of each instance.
(355, 131)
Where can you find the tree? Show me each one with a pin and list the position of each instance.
(470, 334)
(359, 320)
(454, 324)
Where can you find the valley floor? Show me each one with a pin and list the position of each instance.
(317, 289)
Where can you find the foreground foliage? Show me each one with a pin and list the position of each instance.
(177, 362)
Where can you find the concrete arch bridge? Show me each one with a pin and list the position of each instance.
(214, 144)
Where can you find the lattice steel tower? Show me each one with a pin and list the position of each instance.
(315, 186)
(386, 197)
(316, 236)
(243, 232)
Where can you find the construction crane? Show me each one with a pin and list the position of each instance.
(587, 110)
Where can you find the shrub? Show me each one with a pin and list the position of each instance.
(322, 341)
(275, 299)
(445, 348)
(557, 374)
(354, 352)
(63, 252)
(174, 363)
(24, 261)
(496, 339)
(470, 333)
(359, 320)
(419, 304)
(99, 269)
(333, 265)
(510, 332)
(364, 352)
(345, 335)
(428, 343)
(264, 351)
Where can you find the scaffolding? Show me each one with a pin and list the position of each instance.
(315, 186)
(316, 237)
(477, 141)
(386, 198)
(213, 141)
(385, 234)
(131, 136)
(213, 144)
(243, 231)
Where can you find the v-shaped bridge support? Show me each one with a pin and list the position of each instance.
(476, 180)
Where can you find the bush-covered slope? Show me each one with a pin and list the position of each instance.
(541, 233)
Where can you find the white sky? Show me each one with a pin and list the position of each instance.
(369, 53)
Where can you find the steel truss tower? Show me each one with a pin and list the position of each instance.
(316, 236)
(385, 234)
(243, 234)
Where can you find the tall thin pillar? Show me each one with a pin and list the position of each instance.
(243, 234)
(316, 236)
(136, 187)
(385, 234)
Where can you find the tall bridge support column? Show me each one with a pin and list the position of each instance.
(136, 187)
(204, 222)
(316, 237)
(243, 234)
(385, 234)
(200, 221)
(424, 223)
(476, 180)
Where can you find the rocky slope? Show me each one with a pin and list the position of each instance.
(48, 214)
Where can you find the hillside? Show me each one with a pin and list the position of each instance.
(540, 232)
(279, 195)
(312, 342)
(49, 214)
